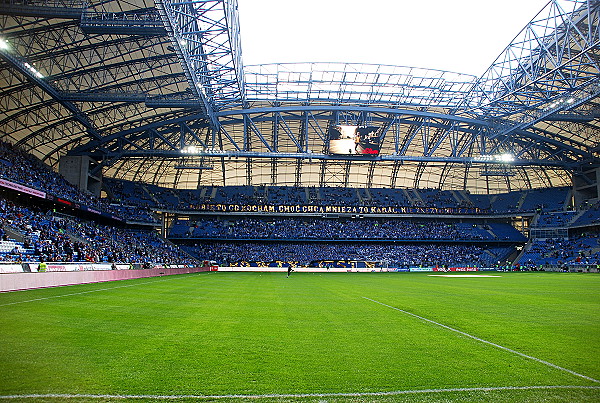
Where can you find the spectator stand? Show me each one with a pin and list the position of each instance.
(53, 237)
(565, 253)
(24, 169)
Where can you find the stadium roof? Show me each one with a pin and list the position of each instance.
(157, 92)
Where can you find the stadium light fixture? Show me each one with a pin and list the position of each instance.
(33, 70)
(506, 158)
(502, 158)
(4, 44)
(190, 150)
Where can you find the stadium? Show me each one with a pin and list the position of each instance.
(180, 226)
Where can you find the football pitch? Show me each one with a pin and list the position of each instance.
(313, 337)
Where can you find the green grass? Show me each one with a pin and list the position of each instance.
(256, 334)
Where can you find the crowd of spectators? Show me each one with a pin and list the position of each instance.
(190, 199)
(316, 228)
(18, 166)
(392, 255)
(133, 213)
(436, 198)
(291, 194)
(52, 238)
(577, 250)
(329, 196)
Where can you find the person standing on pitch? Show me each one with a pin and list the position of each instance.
(289, 269)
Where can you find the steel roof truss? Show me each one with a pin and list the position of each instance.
(281, 122)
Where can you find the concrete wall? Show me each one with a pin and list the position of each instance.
(76, 170)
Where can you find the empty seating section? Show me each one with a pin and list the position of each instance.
(550, 199)
(477, 231)
(163, 197)
(506, 202)
(589, 217)
(135, 214)
(189, 198)
(481, 201)
(179, 229)
(126, 192)
(555, 219)
(505, 232)
(234, 195)
(499, 254)
(9, 247)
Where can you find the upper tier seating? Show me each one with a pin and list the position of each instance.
(551, 199)
(311, 228)
(20, 167)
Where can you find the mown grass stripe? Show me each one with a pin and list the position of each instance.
(487, 342)
(294, 395)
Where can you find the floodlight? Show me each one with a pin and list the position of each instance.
(191, 149)
(506, 157)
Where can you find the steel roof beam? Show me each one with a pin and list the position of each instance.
(447, 123)
(572, 117)
(334, 108)
(352, 108)
(565, 103)
(102, 96)
(206, 36)
(365, 84)
(136, 22)
(160, 60)
(557, 52)
(21, 65)
(171, 102)
(178, 100)
(174, 153)
(60, 9)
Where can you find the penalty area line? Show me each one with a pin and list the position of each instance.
(293, 395)
(487, 342)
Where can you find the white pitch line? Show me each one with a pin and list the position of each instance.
(85, 292)
(293, 395)
(487, 342)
